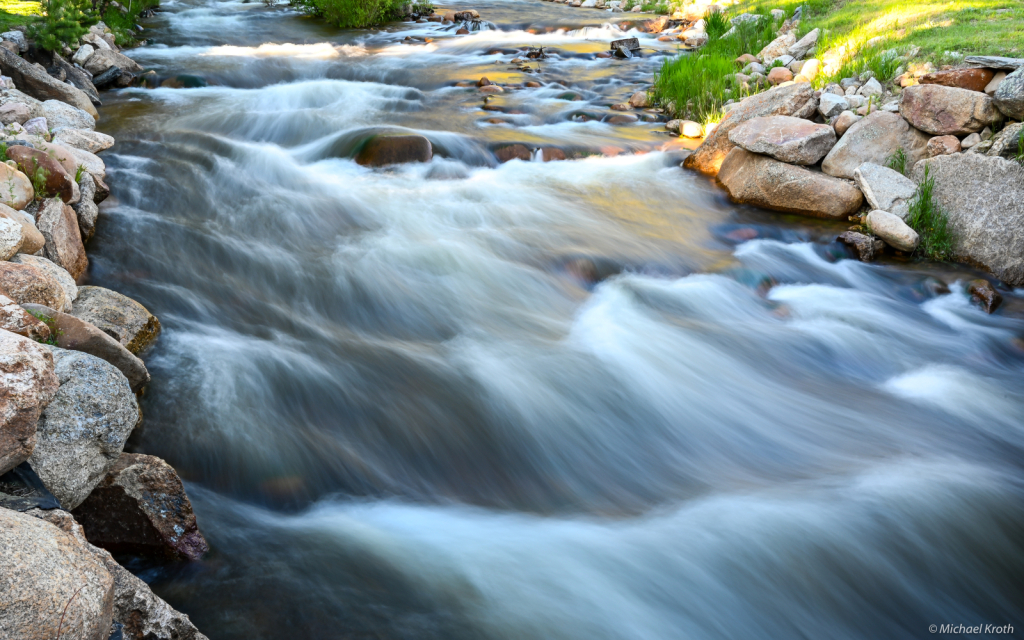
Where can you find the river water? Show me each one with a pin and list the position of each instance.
(582, 399)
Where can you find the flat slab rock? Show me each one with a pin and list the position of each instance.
(885, 188)
(874, 139)
(995, 62)
(120, 317)
(765, 182)
(785, 138)
(942, 111)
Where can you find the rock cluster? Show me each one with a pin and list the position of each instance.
(70, 372)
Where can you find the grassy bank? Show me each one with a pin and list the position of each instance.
(352, 14)
(18, 12)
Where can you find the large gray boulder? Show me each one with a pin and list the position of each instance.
(28, 385)
(27, 284)
(55, 271)
(51, 586)
(874, 139)
(84, 139)
(82, 432)
(885, 188)
(58, 223)
(943, 111)
(1009, 97)
(120, 317)
(785, 138)
(103, 59)
(61, 115)
(982, 196)
(15, 319)
(793, 100)
(765, 182)
(40, 85)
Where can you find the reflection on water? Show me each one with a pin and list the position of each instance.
(584, 399)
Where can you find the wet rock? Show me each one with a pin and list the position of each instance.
(639, 100)
(461, 15)
(866, 247)
(874, 139)
(622, 118)
(844, 121)
(60, 115)
(491, 88)
(982, 198)
(57, 182)
(983, 293)
(104, 59)
(513, 152)
(17, 189)
(549, 154)
(1009, 97)
(462, 32)
(142, 614)
(793, 100)
(785, 138)
(26, 284)
(765, 182)
(52, 585)
(109, 77)
(15, 319)
(29, 384)
(885, 188)
(382, 150)
(55, 271)
(11, 238)
(483, 82)
(140, 507)
(78, 78)
(893, 230)
(942, 111)
(82, 431)
(34, 81)
(971, 79)
(59, 225)
(78, 335)
(122, 318)
(86, 209)
(942, 146)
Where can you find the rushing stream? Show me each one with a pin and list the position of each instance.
(583, 399)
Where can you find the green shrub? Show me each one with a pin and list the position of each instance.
(63, 23)
(930, 222)
(351, 14)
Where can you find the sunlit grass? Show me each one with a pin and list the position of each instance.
(15, 12)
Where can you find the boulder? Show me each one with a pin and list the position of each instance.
(778, 75)
(57, 182)
(844, 121)
(64, 155)
(874, 139)
(810, 69)
(34, 81)
(785, 138)
(866, 247)
(982, 198)
(82, 431)
(765, 182)
(86, 208)
(26, 284)
(36, 127)
(103, 59)
(60, 115)
(508, 152)
(382, 150)
(639, 100)
(942, 146)
(11, 238)
(17, 37)
(140, 507)
(59, 225)
(77, 334)
(29, 384)
(14, 112)
(53, 587)
(89, 161)
(82, 55)
(777, 47)
(805, 45)
(54, 271)
(1009, 97)
(995, 62)
(870, 89)
(31, 240)
(941, 111)
(1006, 143)
(893, 230)
(984, 294)
(77, 77)
(831, 105)
(15, 188)
(84, 139)
(885, 188)
(15, 319)
(793, 100)
(120, 317)
(971, 79)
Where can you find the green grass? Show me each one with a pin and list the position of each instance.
(18, 13)
(898, 161)
(121, 25)
(351, 14)
(930, 222)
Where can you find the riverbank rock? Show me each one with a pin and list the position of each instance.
(970, 79)
(61, 115)
(1006, 143)
(874, 139)
(26, 284)
(1009, 96)
(885, 188)
(31, 239)
(11, 238)
(103, 59)
(120, 317)
(28, 385)
(777, 47)
(795, 100)
(942, 146)
(892, 230)
(17, 189)
(830, 105)
(57, 181)
(82, 431)
(52, 586)
(84, 139)
(62, 277)
(140, 507)
(866, 247)
(805, 45)
(982, 197)
(785, 138)
(86, 208)
(941, 111)
(79, 335)
(34, 81)
(59, 225)
(383, 149)
(15, 319)
(765, 182)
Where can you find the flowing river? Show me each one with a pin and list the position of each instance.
(562, 400)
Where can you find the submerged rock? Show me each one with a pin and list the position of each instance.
(984, 294)
(513, 152)
(384, 149)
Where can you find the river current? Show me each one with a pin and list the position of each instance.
(562, 400)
